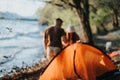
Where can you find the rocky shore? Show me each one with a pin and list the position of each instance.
(28, 73)
(33, 72)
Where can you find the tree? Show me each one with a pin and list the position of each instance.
(100, 18)
(82, 8)
(114, 5)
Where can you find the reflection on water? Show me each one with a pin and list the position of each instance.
(20, 41)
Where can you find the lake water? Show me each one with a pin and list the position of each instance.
(21, 44)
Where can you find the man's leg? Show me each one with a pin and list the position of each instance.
(50, 53)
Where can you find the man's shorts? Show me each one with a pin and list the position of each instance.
(52, 51)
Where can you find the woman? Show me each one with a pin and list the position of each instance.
(71, 34)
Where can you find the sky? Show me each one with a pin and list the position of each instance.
(21, 7)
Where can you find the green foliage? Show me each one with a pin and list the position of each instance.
(45, 13)
(67, 16)
(101, 14)
(117, 41)
(112, 4)
(51, 12)
(100, 17)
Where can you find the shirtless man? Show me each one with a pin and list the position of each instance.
(53, 39)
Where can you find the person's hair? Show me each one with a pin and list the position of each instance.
(59, 19)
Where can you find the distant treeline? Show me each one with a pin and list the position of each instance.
(14, 16)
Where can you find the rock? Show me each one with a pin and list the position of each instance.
(29, 73)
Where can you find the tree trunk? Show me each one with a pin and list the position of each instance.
(116, 22)
(82, 8)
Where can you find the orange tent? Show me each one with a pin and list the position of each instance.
(78, 62)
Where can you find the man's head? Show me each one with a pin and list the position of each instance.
(58, 19)
(59, 22)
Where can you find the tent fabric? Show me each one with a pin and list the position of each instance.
(89, 63)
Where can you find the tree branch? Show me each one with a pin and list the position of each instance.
(68, 3)
(93, 8)
(59, 5)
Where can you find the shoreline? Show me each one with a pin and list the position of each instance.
(27, 73)
(34, 72)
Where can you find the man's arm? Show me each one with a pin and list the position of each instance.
(64, 41)
(45, 41)
(64, 38)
